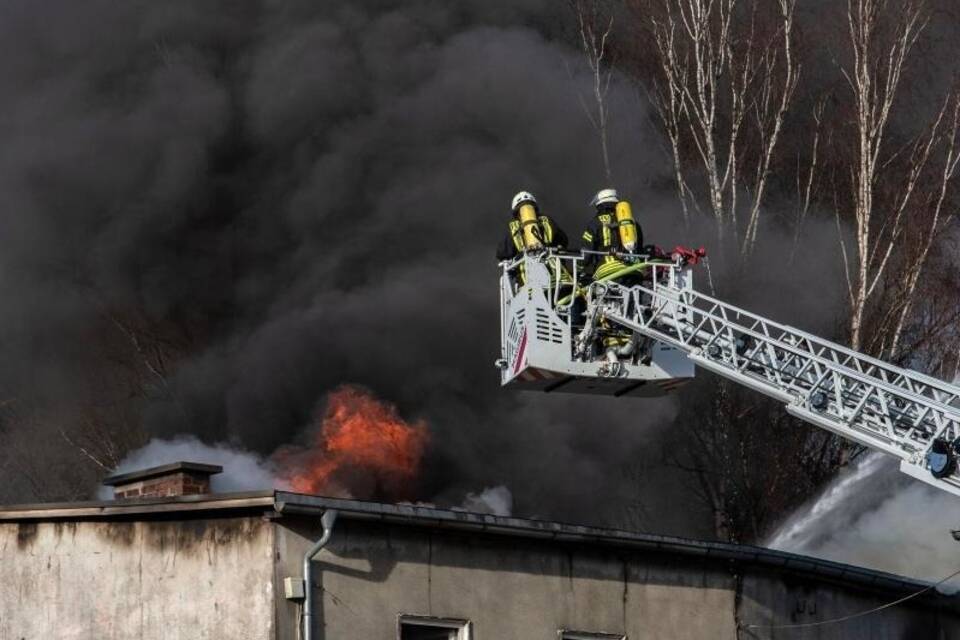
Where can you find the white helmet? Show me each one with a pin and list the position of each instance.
(521, 197)
(604, 196)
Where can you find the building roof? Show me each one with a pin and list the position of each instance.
(285, 503)
(162, 470)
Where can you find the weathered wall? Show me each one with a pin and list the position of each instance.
(218, 578)
(516, 588)
(784, 600)
(171, 580)
(507, 588)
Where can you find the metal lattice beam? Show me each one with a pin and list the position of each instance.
(879, 405)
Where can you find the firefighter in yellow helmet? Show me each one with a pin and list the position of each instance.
(528, 229)
(612, 229)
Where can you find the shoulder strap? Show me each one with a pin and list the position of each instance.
(516, 235)
(605, 219)
(547, 229)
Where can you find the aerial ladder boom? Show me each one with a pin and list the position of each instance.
(881, 406)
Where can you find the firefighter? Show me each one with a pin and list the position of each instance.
(536, 231)
(531, 231)
(612, 229)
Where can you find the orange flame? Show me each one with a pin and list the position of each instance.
(363, 449)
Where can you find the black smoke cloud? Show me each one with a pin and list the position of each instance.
(296, 195)
(311, 194)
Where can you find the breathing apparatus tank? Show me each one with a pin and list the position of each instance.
(531, 227)
(627, 226)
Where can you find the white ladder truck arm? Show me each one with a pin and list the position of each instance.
(901, 412)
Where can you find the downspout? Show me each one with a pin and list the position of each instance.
(326, 520)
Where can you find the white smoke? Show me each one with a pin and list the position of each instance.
(876, 517)
(497, 501)
(832, 510)
(247, 471)
(242, 470)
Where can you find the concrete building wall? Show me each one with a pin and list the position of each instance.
(507, 587)
(196, 579)
(777, 601)
(148, 574)
(527, 588)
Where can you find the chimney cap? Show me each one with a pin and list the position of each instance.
(162, 470)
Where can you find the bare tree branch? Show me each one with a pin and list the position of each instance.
(718, 79)
(594, 30)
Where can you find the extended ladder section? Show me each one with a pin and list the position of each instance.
(901, 412)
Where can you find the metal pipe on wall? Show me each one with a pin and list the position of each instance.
(327, 520)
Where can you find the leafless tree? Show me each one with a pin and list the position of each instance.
(85, 434)
(898, 190)
(726, 81)
(931, 335)
(874, 81)
(808, 177)
(747, 461)
(143, 353)
(38, 465)
(595, 22)
(872, 147)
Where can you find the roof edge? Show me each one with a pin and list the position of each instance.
(162, 470)
(410, 514)
(288, 503)
(135, 506)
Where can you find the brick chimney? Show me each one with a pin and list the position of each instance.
(176, 479)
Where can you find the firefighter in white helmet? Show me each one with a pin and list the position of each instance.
(611, 230)
(528, 229)
(531, 231)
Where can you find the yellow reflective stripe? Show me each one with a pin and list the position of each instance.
(615, 341)
(516, 235)
(587, 236)
(605, 219)
(612, 336)
(547, 229)
(565, 277)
